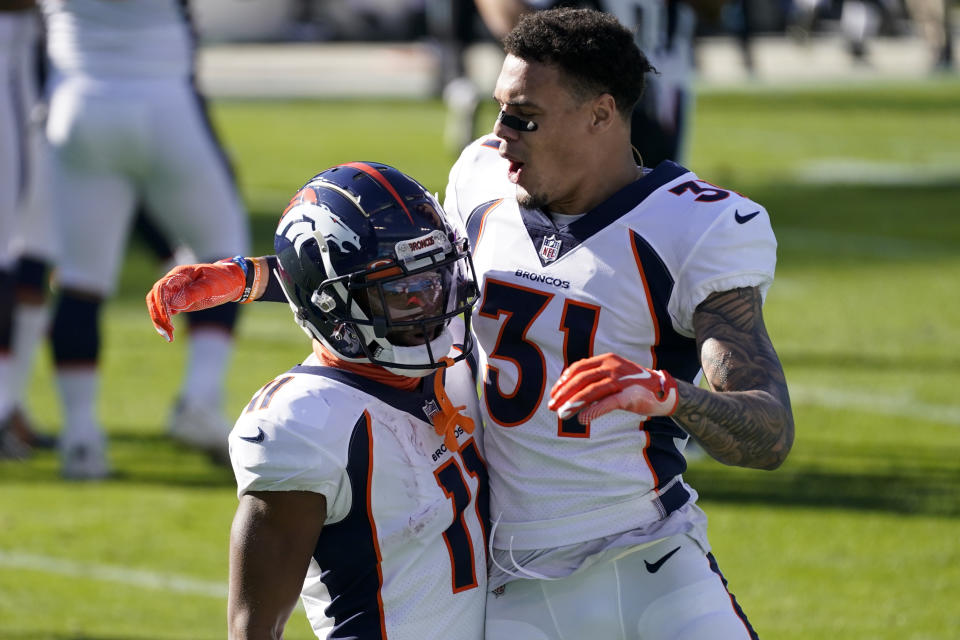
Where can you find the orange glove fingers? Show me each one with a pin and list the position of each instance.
(580, 391)
(595, 386)
(193, 287)
(159, 314)
(579, 376)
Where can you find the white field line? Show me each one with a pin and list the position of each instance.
(850, 243)
(897, 405)
(867, 172)
(107, 573)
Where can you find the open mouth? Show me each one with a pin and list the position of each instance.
(513, 173)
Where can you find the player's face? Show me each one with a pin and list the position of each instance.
(406, 300)
(548, 164)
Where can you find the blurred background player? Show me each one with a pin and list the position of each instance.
(124, 130)
(860, 22)
(453, 24)
(361, 482)
(28, 248)
(935, 23)
(26, 229)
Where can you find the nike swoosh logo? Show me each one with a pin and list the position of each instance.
(257, 439)
(747, 218)
(653, 568)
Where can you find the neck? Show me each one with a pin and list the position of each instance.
(610, 173)
(365, 369)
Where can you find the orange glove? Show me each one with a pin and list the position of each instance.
(193, 287)
(595, 386)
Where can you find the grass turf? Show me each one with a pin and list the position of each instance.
(857, 536)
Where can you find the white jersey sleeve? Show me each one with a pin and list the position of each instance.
(738, 249)
(297, 442)
(479, 175)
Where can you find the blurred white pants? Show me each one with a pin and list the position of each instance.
(119, 144)
(670, 590)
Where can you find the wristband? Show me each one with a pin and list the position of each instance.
(254, 284)
(241, 262)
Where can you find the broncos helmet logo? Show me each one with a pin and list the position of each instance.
(329, 228)
(336, 231)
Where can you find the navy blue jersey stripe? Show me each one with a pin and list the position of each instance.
(673, 353)
(733, 601)
(411, 402)
(475, 221)
(674, 498)
(665, 458)
(348, 552)
(471, 360)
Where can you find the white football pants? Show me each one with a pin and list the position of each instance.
(670, 590)
(120, 143)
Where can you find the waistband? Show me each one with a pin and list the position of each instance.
(629, 514)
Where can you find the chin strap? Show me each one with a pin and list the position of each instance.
(449, 417)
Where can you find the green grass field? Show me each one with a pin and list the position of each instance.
(857, 536)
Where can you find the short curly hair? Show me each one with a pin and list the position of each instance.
(596, 52)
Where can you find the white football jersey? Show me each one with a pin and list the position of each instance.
(130, 38)
(479, 175)
(402, 553)
(624, 278)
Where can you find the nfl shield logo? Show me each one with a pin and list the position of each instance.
(550, 249)
(431, 409)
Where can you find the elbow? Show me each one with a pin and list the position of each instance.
(781, 447)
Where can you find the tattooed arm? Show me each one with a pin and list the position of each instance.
(745, 418)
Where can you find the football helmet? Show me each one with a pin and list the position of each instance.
(374, 270)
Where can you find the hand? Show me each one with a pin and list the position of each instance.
(193, 287)
(595, 386)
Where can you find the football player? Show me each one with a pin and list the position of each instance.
(360, 473)
(607, 291)
(25, 221)
(125, 130)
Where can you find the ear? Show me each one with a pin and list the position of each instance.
(604, 112)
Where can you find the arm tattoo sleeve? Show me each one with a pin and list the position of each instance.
(745, 418)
